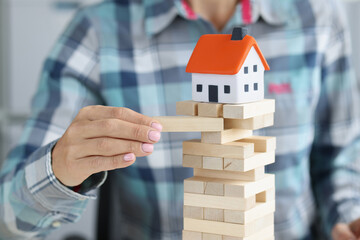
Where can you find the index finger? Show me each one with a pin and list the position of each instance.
(98, 112)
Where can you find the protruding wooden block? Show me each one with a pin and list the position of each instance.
(249, 110)
(214, 163)
(220, 202)
(264, 234)
(190, 124)
(228, 229)
(210, 109)
(244, 217)
(194, 186)
(191, 235)
(209, 236)
(239, 150)
(188, 108)
(232, 188)
(266, 196)
(214, 214)
(192, 161)
(193, 212)
(214, 188)
(225, 136)
(246, 189)
(254, 123)
(261, 143)
(255, 161)
(252, 175)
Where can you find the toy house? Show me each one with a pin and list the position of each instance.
(227, 68)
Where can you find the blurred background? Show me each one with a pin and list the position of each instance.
(28, 29)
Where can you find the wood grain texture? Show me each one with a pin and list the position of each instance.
(192, 161)
(190, 124)
(232, 188)
(243, 217)
(255, 161)
(210, 109)
(261, 143)
(239, 150)
(249, 110)
(220, 202)
(188, 108)
(225, 136)
(252, 175)
(228, 229)
(253, 123)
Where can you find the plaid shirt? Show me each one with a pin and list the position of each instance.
(133, 54)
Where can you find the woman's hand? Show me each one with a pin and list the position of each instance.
(102, 138)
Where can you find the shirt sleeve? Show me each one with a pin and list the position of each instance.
(335, 156)
(33, 201)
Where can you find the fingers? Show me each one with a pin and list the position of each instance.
(342, 231)
(111, 147)
(116, 128)
(97, 164)
(93, 113)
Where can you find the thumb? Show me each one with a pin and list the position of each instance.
(342, 231)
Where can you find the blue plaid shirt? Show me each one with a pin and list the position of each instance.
(133, 54)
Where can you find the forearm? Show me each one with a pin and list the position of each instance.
(34, 201)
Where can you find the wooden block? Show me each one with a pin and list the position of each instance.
(189, 108)
(190, 235)
(250, 188)
(192, 161)
(210, 110)
(266, 196)
(209, 236)
(225, 136)
(191, 186)
(228, 229)
(254, 123)
(214, 214)
(239, 150)
(214, 188)
(265, 234)
(232, 188)
(252, 175)
(214, 163)
(244, 217)
(249, 110)
(255, 161)
(221, 202)
(261, 144)
(193, 212)
(190, 124)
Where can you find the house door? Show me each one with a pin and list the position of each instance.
(213, 93)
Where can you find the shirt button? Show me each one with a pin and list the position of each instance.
(56, 224)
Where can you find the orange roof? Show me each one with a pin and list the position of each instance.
(218, 54)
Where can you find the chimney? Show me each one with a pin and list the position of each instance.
(238, 33)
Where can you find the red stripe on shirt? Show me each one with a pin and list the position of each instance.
(246, 11)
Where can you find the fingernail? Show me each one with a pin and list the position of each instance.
(154, 136)
(157, 126)
(129, 157)
(148, 148)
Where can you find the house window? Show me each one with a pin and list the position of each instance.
(246, 70)
(199, 88)
(255, 68)
(255, 86)
(227, 89)
(246, 88)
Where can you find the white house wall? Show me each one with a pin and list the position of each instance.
(236, 83)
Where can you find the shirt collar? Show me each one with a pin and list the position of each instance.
(160, 14)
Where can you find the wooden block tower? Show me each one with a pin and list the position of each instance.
(230, 197)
